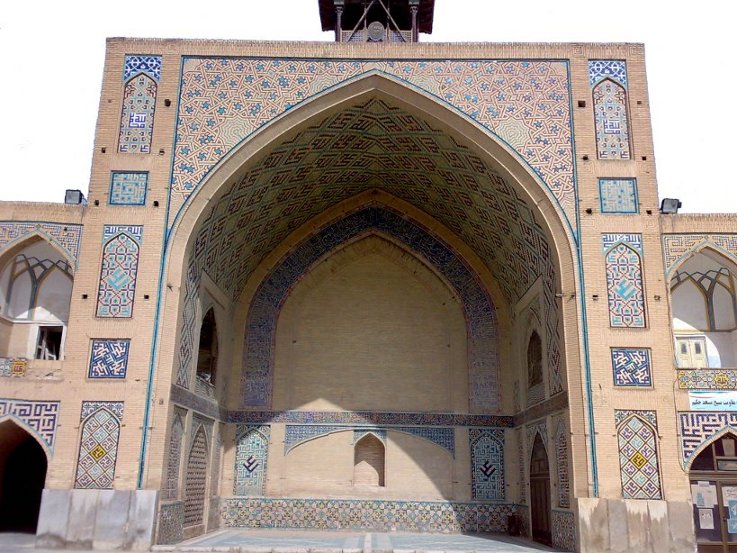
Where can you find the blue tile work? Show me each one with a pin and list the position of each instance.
(137, 115)
(149, 65)
(618, 196)
(386, 515)
(531, 430)
(121, 247)
(561, 458)
(480, 312)
(631, 367)
(195, 475)
(251, 456)
(174, 454)
(638, 454)
(563, 524)
(109, 358)
(698, 428)
(678, 247)
(169, 530)
(625, 288)
(128, 188)
(487, 464)
(297, 434)
(707, 379)
(608, 80)
(607, 69)
(359, 433)
(13, 366)
(39, 417)
(443, 437)
(98, 446)
(66, 237)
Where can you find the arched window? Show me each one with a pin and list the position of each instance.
(534, 360)
(612, 128)
(368, 462)
(207, 356)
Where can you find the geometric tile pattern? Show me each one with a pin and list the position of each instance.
(638, 455)
(98, 447)
(121, 247)
(561, 454)
(532, 430)
(631, 366)
(487, 464)
(480, 313)
(377, 432)
(150, 65)
(109, 358)
(519, 434)
(618, 195)
(251, 456)
(707, 379)
(195, 482)
(677, 247)
(610, 109)
(38, 416)
(171, 523)
(128, 188)
(174, 457)
(13, 366)
(375, 514)
(66, 237)
(625, 289)
(696, 429)
(564, 530)
(524, 102)
(363, 147)
(137, 116)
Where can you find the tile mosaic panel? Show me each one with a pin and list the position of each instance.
(608, 79)
(525, 103)
(625, 288)
(487, 464)
(137, 116)
(638, 454)
(615, 70)
(66, 237)
(109, 358)
(251, 457)
(564, 530)
(480, 313)
(677, 247)
(360, 433)
(631, 367)
(539, 427)
(174, 455)
(696, 429)
(98, 447)
(415, 163)
(171, 523)
(149, 65)
(707, 379)
(39, 417)
(195, 478)
(618, 196)
(561, 456)
(121, 248)
(521, 464)
(13, 366)
(128, 188)
(217, 459)
(378, 515)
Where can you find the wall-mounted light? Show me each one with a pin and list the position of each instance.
(670, 205)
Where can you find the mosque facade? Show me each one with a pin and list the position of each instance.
(377, 284)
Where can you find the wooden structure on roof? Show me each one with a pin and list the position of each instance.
(377, 20)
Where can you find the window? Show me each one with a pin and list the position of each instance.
(48, 345)
(207, 356)
(691, 352)
(534, 360)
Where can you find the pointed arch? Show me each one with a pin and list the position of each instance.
(251, 457)
(174, 454)
(137, 115)
(119, 271)
(625, 286)
(638, 454)
(611, 120)
(369, 458)
(195, 483)
(98, 444)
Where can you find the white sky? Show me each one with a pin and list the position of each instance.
(52, 53)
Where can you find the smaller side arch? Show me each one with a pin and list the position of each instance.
(369, 459)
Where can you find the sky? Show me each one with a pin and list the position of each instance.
(52, 55)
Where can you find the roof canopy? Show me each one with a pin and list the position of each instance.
(399, 9)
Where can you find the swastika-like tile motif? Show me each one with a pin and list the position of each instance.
(631, 367)
(524, 102)
(121, 247)
(625, 288)
(487, 464)
(109, 358)
(251, 456)
(150, 65)
(98, 447)
(374, 514)
(563, 524)
(195, 479)
(415, 163)
(561, 456)
(638, 454)
(707, 379)
(696, 429)
(480, 312)
(137, 115)
(39, 417)
(618, 196)
(66, 237)
(677, 247)
(128, 188)
(608, 81)
(174, 454)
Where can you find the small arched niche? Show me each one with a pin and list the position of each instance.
(207, 354)
(368, 462)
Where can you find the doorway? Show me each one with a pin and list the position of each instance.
(22, 477)
(540, 493)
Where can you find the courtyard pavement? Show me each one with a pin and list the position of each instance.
(316, 541)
